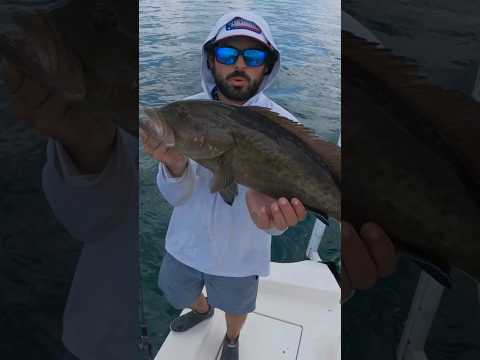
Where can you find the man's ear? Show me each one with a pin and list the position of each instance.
(272, 59)
(268, 69)
(210, 61)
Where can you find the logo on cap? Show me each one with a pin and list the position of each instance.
(239, 23)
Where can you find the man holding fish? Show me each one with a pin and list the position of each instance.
(221, 240)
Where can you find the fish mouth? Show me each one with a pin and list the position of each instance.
(154, 124)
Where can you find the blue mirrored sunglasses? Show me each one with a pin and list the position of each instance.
(229, 56)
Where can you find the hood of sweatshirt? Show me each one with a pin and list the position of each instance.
(208, 81)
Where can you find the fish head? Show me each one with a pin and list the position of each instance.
(189, 127)
(154, 123)
(196, 132)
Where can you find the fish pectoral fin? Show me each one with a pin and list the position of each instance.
(223, 177)
(229, 193)
(223, 182)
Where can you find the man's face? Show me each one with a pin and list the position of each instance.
(238, 82)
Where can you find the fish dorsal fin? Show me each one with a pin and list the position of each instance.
(327, 152)
(451, 114)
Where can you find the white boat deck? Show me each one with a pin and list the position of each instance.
(297, 317)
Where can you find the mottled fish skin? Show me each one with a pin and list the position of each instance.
(405, 167)
(256, 148)
(81, 53)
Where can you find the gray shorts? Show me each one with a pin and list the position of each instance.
(182, 285)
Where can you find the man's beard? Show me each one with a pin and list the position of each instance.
(237, 93)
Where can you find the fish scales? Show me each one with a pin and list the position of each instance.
(255, 147)
(282, 154)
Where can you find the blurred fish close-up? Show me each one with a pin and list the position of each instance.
(84, 51)
(412, 163)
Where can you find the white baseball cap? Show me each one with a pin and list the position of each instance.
(242, 27)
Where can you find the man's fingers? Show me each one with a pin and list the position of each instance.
(261, 218)
(147, 148)
(288, 212)
(299, 209)
(258, 210)
(277, 216)
(152, 145)
(380, 247)
(356, 259)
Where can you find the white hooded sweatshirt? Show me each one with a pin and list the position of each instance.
(205, 232)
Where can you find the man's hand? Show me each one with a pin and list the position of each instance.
(174, 161)
(266, 212)
(366, 257)
(87, 137)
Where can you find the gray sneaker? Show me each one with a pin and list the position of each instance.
(189, 320)
(229, 349)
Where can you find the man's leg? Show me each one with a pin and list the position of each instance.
(234, 325)
(237, 297)
(200, 306)
(182, 286)
(231, 341)
(200, 311)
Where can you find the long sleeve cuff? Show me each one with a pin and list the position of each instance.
(274, 231)
(176, 190)
(172, 179)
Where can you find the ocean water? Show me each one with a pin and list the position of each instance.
(171, 34)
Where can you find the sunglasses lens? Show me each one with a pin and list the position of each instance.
(254, 57)
(229, 56)
(226, 55)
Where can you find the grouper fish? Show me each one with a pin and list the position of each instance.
(410, 159)
(252, 146)
(83, 51)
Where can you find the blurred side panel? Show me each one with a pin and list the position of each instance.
(410, 164)
(69, 286)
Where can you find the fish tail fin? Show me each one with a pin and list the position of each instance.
(439, 272)
(320, 215)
